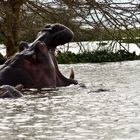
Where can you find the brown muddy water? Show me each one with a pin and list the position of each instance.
(105, 105)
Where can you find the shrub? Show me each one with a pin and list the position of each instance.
(95, 57)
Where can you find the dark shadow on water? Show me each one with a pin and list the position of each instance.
(101, 88)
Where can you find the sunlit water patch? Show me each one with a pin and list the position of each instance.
(105, 105)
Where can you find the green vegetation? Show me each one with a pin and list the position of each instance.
(95, 57)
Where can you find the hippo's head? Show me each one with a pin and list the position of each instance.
(35, 66)
(52, 35)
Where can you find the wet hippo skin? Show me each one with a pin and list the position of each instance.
(35, 66)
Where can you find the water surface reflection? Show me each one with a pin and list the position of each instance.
(104, 106)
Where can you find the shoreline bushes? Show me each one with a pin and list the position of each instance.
(95, 57)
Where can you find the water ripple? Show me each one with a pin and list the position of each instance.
(104, 106)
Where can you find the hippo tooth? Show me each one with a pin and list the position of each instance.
(71, 74)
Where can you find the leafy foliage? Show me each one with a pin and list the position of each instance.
(95, 57)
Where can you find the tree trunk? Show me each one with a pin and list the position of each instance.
(11, 27)
(13, 39)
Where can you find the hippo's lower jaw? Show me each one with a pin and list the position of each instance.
(34, 67)
(61, 80)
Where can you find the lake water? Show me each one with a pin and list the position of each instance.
(105, 105)
(91, 46)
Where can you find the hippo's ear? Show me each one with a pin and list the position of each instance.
(23, 45)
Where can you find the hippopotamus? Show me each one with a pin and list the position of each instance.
(7, 91)
(35, 65)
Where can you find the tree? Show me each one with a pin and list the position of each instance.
(9, 24)
(118, 19)
(20, 18)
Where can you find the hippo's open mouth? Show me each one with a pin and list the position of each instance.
(36, 66)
